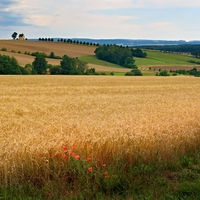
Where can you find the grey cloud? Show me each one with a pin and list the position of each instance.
(10, 18)
(6, 3)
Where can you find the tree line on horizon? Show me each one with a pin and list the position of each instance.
(70, 41)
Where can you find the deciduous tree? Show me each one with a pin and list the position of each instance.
(40, 64)
(14, 35)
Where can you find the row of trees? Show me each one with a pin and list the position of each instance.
(68, 65)
(192, 72)
(69, 41)
(51, 55)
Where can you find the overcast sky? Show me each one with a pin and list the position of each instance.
(129, 19)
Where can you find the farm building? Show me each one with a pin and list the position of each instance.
(21, 36)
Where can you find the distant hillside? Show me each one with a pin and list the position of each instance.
(126, 42)
(132, 42)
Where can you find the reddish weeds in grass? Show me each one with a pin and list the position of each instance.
(105, 173)
(88, 159)
(64, 148)
(90, 169)
(77, 157)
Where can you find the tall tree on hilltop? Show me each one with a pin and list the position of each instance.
(14, 35)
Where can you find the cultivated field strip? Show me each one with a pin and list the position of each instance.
(58, 48)
(103, 117)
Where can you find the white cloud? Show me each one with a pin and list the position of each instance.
(78, 18)
(165, 3)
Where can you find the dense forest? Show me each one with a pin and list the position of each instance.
(192, 49)
(119, 55)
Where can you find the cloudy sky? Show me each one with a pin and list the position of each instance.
(130, 19)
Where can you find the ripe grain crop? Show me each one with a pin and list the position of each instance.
(103, 117)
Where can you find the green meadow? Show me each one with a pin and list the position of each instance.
(153, 58)
(161, 58)
(94, 60)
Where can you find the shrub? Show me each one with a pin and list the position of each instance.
(29, 68)
(112, 73)
(51, 55)
(90, 71)
(24, 71)
(164, 73)
(55, 70)
(3, 49)
(39, 53)
(129, 74)
(103, 73)
(134, 72)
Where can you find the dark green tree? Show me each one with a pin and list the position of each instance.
(39, 64)
(9, 65)
(196, 54)
(138, 53)
(56, 70)
(73, 66)
(81, 66)
(129, 63)
(14, 35)
(68, 65)
(51, 55)
(114, 54)
(90, 71)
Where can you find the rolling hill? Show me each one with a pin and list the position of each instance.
(155, 59)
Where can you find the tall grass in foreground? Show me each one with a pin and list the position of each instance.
(47, 121)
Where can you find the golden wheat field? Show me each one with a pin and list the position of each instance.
(102, 117)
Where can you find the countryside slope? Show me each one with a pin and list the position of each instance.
(58, 48)
(74, 50)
